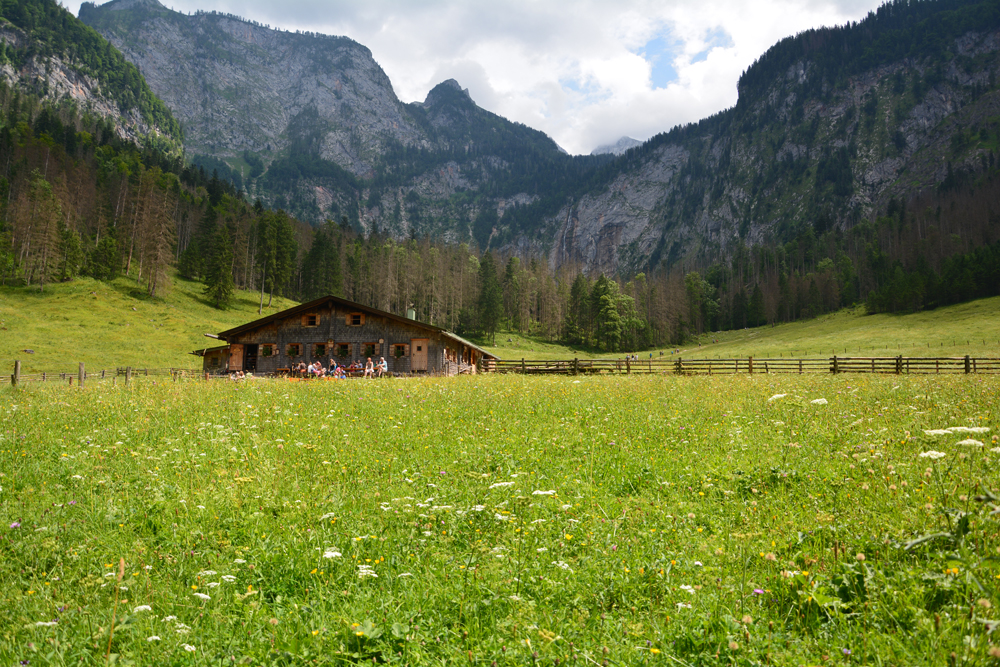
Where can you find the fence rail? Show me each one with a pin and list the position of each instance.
(81, 375)
(749, 365)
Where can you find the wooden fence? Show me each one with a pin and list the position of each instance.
(749, 365)
(81, 375)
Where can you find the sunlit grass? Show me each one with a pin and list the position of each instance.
(737, 520)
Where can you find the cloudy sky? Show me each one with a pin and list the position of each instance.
(586, 72)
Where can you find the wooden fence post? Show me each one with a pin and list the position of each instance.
(750, 364)
(576, 366)
(82, 375)
(16, 377)
(678, 367)
(522, 366)
(128, 374)
(899, 364)
(967, 365)
(628, 364)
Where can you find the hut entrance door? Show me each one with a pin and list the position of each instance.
(418, 354)
(235, 357)
(250, 359)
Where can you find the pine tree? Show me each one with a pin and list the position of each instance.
(219, 284)
(490, 303)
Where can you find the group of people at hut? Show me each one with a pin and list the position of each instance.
(338, 372)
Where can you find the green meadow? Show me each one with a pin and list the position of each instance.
(507, 520)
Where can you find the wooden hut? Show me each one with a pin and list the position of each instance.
(331, 327)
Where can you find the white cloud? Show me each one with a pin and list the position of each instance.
(582, 71)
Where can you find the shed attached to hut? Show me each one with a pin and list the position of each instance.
(331, 327)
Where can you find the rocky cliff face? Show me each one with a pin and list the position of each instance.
(785, 160)
(238, 86)
(58, 81)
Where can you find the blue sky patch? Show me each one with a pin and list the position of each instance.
(717, 38)
(660, 54)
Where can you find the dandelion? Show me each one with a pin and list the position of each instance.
(770, 557)
(142, 607)
(202, 596)
(733, 646)
(747, 619)
(933, 455)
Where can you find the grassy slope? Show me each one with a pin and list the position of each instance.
(969, 328)
(114, 324)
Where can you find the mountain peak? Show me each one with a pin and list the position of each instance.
(618, 147)
(118, 5)
(445, 91)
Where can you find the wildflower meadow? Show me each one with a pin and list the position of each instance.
(507, 520)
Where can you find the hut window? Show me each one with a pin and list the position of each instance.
(319, 350)
(267, 350)
(293, 349)
(213, 361)
(370, 349)
(343, 350)
(355, 319)
(310, 320)
(399, 350)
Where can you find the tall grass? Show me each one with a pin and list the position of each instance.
(508, 520)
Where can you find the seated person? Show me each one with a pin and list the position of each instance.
(301, 368)
(369, 369)
(383, 367)
(316, 368)
(332, 370)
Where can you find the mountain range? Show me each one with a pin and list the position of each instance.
(831, 125)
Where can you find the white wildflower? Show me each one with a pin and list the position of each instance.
(776, 397)
(403, 574)
(689, 589)
(142, 607)
(228, 578)
(46, 624)
(819, 401)
(212, 584)
(681, 605)
(331, 553)
(168, 619)
(365, 571)
(931, 454)
(202, 596)
(969, 442)
(154, 638)
(189, 648)
(561, 565)
(543, 493)
(541, 550)
(937, 431)
(969, 429)
(500, 517)
(501, 485)
(207, 573)
(239, 561)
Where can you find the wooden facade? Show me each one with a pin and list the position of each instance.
(332, 327)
